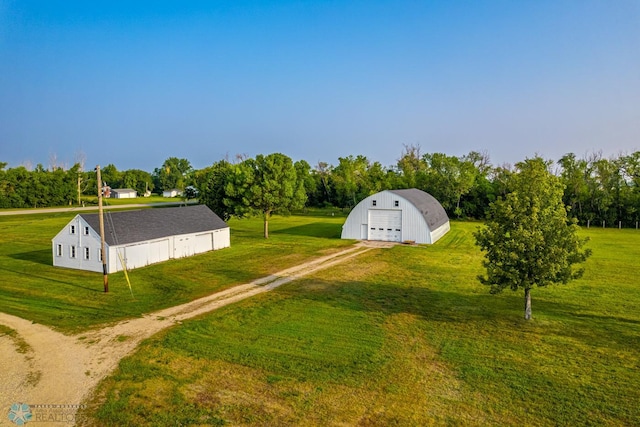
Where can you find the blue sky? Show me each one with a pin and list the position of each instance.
(135, 82)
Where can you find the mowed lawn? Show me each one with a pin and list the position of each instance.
(401, 336)
(73, 300)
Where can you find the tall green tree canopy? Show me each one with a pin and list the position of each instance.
(528, 240)
(211, 183)
(265, 185)
(139, 180)
(449, 178)
(174, 173)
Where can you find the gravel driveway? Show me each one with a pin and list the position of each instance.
(53, 373)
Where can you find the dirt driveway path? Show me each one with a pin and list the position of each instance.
(40, 366)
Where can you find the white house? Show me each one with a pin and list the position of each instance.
(123, 193)
(174, 192)
(139, 238)
(397, 216)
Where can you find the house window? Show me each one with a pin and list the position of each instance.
(86, 253)
(72, 229)
(86, 231)
(374, 203)
(100, 254)
(59, 250)
(72, 251)
(396, 203)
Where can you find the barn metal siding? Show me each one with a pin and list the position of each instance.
(414, 224)
(221, 238)
(135, 254)
(439, 232)
(80, 241)
(145, 253)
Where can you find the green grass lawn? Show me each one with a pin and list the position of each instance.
(71, 300)
(401, 336)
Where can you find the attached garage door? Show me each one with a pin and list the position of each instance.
(183, 246)
(385, 225)
(143, 254)
(158, 251)
(204, 242)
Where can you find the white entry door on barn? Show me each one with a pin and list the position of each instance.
(385, 225)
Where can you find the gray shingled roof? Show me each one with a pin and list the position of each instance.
(125, 227)
(431, 209)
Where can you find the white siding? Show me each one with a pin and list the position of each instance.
(145, 253)
(138, 255)
(183, 246)
(159, 251)
(135, 255)
(123, 194)
(80, 241)
(203, 242)
(221, 238)
(439, 232)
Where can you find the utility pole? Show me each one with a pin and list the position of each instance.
(102, 245)
(79, 183)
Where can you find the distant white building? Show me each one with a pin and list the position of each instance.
(397, 216)
(139, 237)
(174, 192)
(123, 193)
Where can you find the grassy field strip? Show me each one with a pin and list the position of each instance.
(265, 284)
(293, 270)
(290, 274)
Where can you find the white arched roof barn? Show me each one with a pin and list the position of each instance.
(397, 216)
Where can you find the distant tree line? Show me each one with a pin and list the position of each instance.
(22, 188)
(596, 189)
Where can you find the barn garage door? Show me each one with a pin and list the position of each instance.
(385, 225)
(158, 251)
(144, 254)
(204, 242)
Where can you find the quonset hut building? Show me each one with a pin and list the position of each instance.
(397, 216)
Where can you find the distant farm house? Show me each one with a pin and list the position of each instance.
(139, 238)
(174, 192)
(397, 216)
(123, 193)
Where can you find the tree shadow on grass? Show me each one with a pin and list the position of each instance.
(481, 311)
(43, 256)
(314, 229)
(48, 279)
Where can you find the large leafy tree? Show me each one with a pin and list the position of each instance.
(211, 183)
(111, 176)
(528, 239)
(449, 178)
(350, 180)
(137, 179)
(574, 176)
(303, 173)
(412, 170)
(174, 173)
(265, 185)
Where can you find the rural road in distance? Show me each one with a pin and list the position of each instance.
(87, 208)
